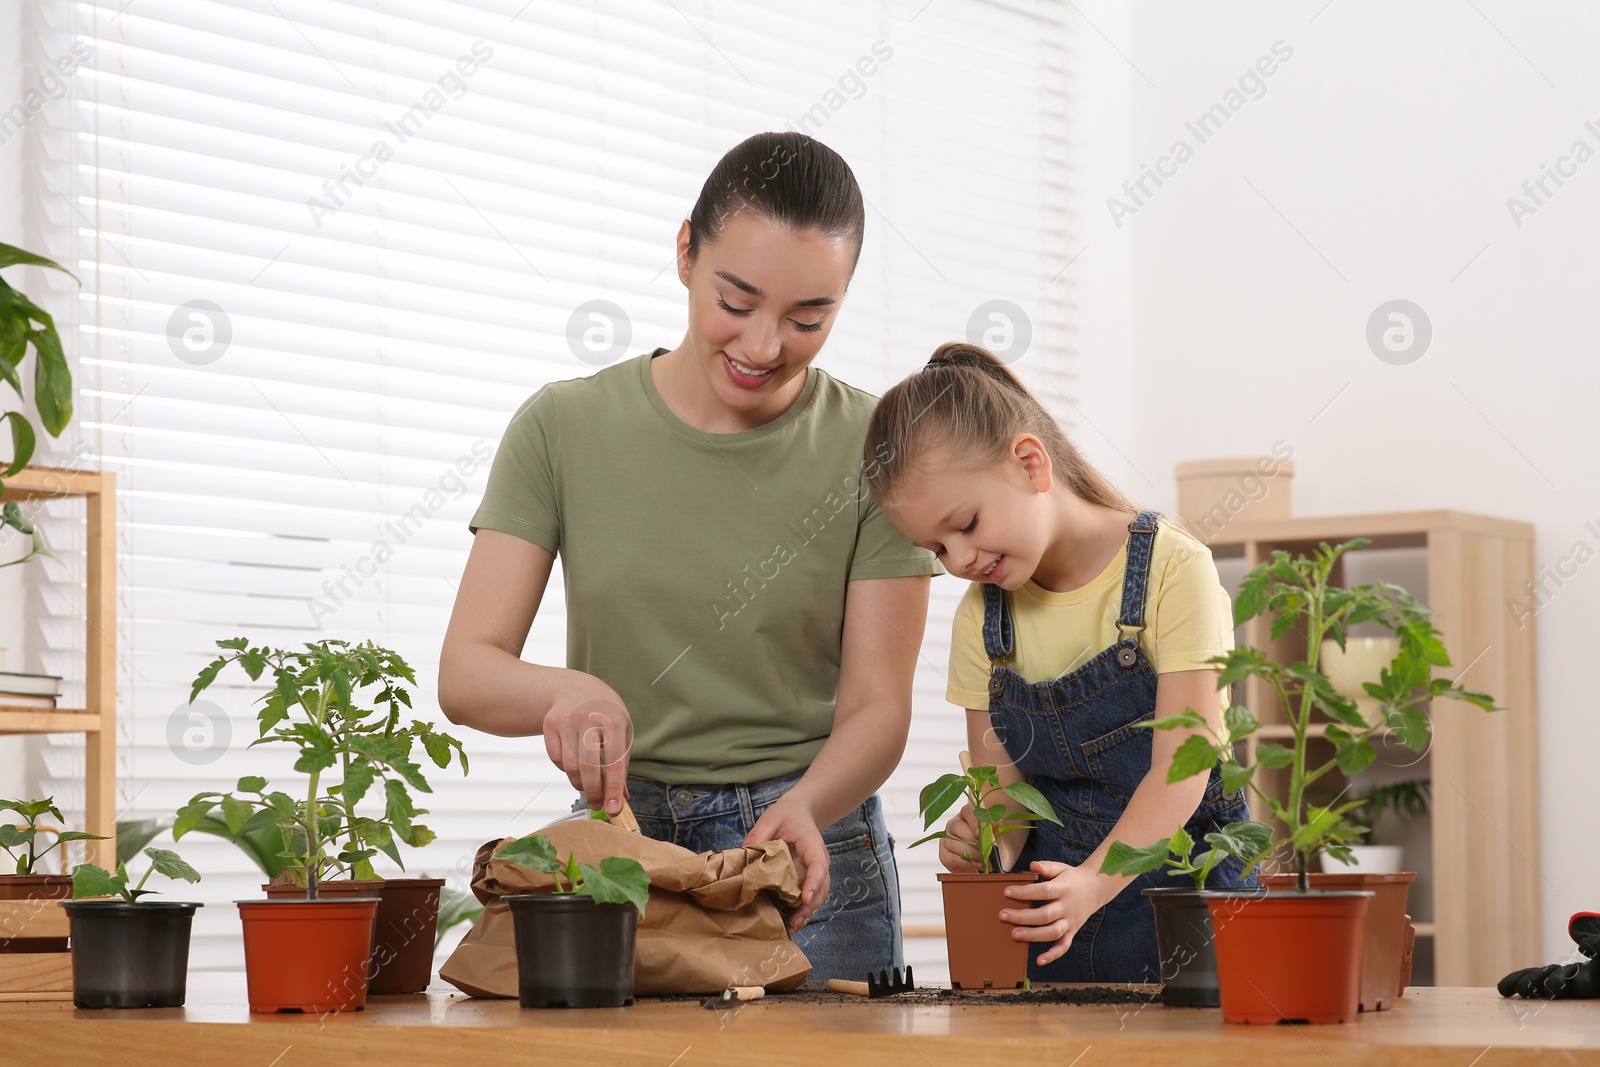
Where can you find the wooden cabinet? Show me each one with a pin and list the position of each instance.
(1483, 893)
(97, 719)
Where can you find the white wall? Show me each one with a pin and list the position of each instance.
(1390, 140)
(11, 233)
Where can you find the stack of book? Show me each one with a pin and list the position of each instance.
(20, 690)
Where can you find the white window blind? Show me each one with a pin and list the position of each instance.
(328, 246)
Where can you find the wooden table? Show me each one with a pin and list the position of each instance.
(1443, 1027)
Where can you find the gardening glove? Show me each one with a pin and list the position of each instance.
(1563, 981)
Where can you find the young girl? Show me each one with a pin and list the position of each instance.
(1086, 617)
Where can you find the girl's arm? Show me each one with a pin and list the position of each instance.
(1071, 894)
(485, 684)
(883, 623)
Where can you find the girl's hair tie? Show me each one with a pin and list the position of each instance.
(938, 361)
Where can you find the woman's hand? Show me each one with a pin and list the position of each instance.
(1070, 894)
(961, 857)
(791, 822)
(588, 730)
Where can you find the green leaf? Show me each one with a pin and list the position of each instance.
(535, 852)
(1181, 844)
(1125, 859)
(1269, 755)
(1235, 777)
(438, 748)
(419, 837)
(1246, 840)
(168, 863)
(22, 444)
(1187, 719)
(937, 797)
(1032, 799)
(11, 256)
(91, 881)
(207, 675)
(190, 814)
(357, 780)
(52, 378)
(1195, 756)
(1411, 727)
(617, 881)
(398, 807)
(254, 662)
(1239, 721)
(1354, 756)
(235, 813)
(252, 783)
(1252, 597)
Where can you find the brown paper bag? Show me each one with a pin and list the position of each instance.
(712, 920)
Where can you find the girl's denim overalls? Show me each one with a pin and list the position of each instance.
(1077, 740)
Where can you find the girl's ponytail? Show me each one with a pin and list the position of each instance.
(967, 402)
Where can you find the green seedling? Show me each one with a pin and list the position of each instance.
(91, 881)
(21, 843)
(1299, 594)
(978, 785)
(1249, 841)
(339, 706)
(615, 881)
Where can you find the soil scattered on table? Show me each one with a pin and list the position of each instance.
(1044, 994)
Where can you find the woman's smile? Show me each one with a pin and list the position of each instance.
(744, 375)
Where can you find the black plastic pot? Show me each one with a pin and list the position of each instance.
(573, 952)
(129, 955)
(1188, 951)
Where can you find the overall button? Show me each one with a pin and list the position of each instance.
(996, 685)
(1127, 657)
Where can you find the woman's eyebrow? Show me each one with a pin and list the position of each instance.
(739, 283)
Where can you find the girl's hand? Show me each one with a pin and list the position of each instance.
(1070, 896)
(961, 857)
(584, 722)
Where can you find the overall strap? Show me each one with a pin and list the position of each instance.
(998, 636)
(1136, 577)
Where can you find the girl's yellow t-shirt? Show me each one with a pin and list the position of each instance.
(1188, 620)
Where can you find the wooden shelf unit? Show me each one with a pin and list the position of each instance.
(1484, 765)
(97, 720)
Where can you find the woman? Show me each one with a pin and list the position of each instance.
(742, 622)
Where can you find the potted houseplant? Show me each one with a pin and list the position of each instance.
(575, 943)
(25, 882)
(1406, 799)
(981, 948)
(1292, 953)
(376, 756)
(24, 323)
(128, 952)
(1184, 937)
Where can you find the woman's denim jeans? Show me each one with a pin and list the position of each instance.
(857, 930)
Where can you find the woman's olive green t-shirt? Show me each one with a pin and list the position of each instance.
(705, 574)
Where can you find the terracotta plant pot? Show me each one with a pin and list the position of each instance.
(307, 955)
(130, 955)
(1183, 939)
(1383, 938)
(402, 934)
(983, 954)
(573, 952)
(21, 896)
(1288, 957)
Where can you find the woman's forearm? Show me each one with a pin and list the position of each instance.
(489, 689)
